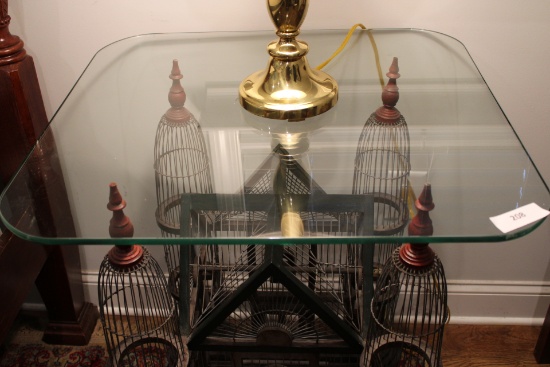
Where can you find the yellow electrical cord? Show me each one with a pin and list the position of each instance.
(342, 46)
(345, 42)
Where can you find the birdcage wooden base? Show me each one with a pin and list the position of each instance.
(270, 359)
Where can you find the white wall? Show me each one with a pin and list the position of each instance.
(508, 39)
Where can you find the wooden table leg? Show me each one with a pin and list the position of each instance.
(542, 348)
(18, 271)
(57, 269)
(71, 319)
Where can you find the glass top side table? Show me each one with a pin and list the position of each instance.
(460, 140)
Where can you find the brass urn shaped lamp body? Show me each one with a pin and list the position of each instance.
(288, 89)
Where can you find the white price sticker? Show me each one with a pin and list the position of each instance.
(519, 217)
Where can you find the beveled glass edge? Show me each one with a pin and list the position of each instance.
(283, 241)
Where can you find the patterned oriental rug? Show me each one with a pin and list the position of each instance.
(24, 348)
(43, 355)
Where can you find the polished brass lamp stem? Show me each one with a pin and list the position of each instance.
(288, 89)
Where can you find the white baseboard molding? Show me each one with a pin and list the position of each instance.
(470, 301)
(498, 302)
(487, 320)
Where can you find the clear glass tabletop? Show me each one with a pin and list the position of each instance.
(107, 131)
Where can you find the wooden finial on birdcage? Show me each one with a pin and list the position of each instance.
(421, 224)
(420, 255)
(121, 226)
(177, 97)
(387, 112)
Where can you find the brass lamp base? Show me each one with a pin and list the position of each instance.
(288, 89)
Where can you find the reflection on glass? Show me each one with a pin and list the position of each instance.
(382, 166)
(181, 164)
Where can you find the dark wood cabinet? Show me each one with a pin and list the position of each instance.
(55, 270)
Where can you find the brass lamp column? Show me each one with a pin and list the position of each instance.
(288, 89)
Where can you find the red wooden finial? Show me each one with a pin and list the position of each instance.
(177, 97)
(393, 73)
(3, 10)
(421, 224)
(121, 226)
(420, 255)
(390, 95)
(11, 47)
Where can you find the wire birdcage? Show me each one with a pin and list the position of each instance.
(279, 298)
(181, 165)
(137, 312)
(382, 166)
(272, 313)
(409, 308)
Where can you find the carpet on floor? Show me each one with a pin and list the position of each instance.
(24, 348)
(43, 355)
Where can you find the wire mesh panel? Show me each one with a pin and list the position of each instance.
(285, 297)
(382, 166)
(181, 164)
(272, 306)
